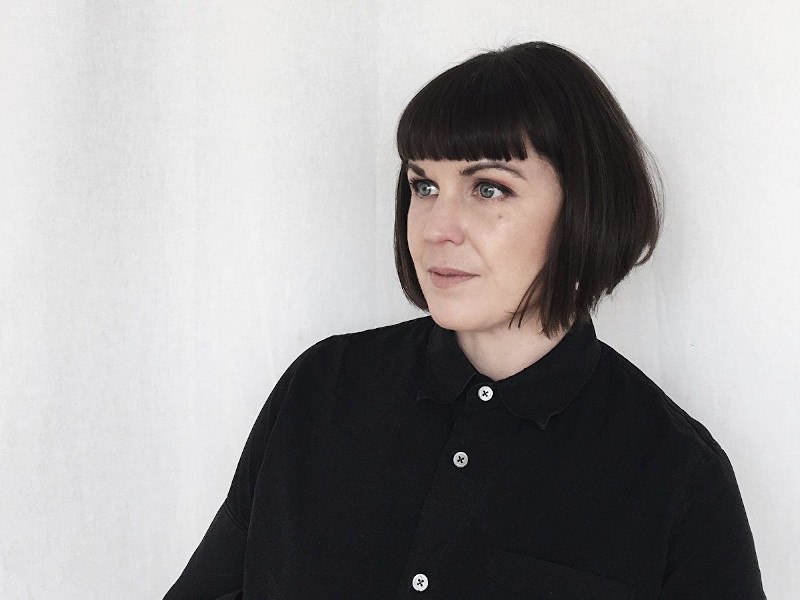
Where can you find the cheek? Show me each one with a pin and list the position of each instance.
(520, 249)
(413, 232)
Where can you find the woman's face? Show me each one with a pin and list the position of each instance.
(489, 218)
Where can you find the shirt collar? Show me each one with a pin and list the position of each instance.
(538, 392)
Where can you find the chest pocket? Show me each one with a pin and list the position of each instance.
(510, 576)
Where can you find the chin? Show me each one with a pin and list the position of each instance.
(457, 319)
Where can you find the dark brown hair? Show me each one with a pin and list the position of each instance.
(488, 107)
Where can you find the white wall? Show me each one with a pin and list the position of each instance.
(193, 193)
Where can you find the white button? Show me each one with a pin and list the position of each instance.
(485, 393)
(460, 459)
(420, 582)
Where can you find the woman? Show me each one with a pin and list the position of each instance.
(458, 456)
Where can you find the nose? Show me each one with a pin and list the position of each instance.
(446, 219)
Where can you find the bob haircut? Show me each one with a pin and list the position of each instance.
(489, 107)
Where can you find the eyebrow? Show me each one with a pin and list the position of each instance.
(472, 169)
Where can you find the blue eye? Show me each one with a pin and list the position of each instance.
(422, 187)
(487, 190)
(425, 188)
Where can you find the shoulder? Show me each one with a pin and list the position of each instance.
(367, 351)
(689, 479)
(652, 417)
(389, 342)
(389, 334)
(374, 338)
(642, 434)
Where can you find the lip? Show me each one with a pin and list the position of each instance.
(447, 281)
(448, 271)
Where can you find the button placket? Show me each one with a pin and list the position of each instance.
(443, 507)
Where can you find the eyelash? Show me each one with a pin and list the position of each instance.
(507, 193)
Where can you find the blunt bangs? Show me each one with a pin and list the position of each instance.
(481, 109)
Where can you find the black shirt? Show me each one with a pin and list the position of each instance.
(383, 465)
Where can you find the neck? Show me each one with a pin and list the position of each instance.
(502, 352)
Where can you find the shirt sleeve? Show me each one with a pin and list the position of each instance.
(711, 551)
(215, 570)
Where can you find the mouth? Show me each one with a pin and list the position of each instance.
(448, 272)
(448, 280)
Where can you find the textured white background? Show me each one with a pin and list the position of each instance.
(192, 193)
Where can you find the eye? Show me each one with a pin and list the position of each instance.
(492, 191)
(422, 187)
